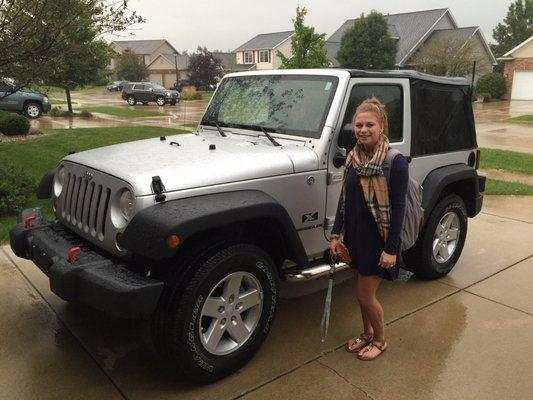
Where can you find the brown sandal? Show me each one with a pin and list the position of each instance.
(356, 344)
(381, 347)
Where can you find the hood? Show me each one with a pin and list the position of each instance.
(193, 164)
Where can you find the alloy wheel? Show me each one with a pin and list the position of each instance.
(446, 237)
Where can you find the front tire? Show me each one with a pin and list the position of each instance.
(441, 243)
(33, 110)
(131, 100)
(223, 315)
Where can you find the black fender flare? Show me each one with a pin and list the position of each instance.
(44, 191)
(463, 178)
(149, 229)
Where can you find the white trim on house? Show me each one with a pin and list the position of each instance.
(263, 52)
(509, 53)
(426, 35)
(251, 54)
(487, 47)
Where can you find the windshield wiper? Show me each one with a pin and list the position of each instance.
(222, 133)
(268, 135)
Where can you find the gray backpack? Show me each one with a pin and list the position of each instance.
(414, 213)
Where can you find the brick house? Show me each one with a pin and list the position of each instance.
(518, 71)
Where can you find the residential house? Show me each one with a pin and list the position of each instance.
(228, 62)
(518, 71)
(260, 51)
(414, 29)
(158, 56)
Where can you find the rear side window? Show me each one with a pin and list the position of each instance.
(442, 119)
(139, 87)
(390, 95)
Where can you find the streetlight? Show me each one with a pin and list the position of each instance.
(177, 72)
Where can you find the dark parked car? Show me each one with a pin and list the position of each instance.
(31, 104)
(145, 92)
(116, 86)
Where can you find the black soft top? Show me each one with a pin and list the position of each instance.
(411, 75)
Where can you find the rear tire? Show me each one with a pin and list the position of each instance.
(222, 314)
(160, 101)
(131, 100)
(440, 244)
(33, 110)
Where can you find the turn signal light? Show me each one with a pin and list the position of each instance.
(173, 241)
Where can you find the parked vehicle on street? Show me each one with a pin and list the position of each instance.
(198, 230)
(31, 104)
(116, 86)
(145, 92)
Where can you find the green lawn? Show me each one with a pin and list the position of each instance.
(57, 101)
(123, 112)
(506, 160)
(494, 186)
(207, 95)
(521, 118)
(44, 153)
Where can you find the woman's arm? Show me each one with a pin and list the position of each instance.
(339, 217)
(399, 178)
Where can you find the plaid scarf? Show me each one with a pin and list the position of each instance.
(373, 182)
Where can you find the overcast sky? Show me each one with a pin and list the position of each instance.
(226, 24)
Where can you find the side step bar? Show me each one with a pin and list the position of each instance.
(310, 273)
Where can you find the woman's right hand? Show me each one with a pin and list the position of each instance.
(333, 244)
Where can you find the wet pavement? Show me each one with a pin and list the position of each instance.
(494, 132)
(465, 336)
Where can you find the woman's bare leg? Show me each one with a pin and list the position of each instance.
(366, 294)
(367, 326)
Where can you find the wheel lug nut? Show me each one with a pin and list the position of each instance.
(221, 309)
(223, 321)
(233, 319)
(231, 299)
(238, 306)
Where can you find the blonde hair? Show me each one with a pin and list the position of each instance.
(375, 106)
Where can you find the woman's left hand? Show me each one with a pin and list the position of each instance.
(387, 260)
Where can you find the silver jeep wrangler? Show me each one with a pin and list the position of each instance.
(197, 230)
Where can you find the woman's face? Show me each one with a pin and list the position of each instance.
(367, 129)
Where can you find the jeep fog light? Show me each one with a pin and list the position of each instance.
(127, 204)
(59, 181)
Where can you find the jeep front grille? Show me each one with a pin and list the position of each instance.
(84, 204)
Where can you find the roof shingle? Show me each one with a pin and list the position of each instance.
(265, 41)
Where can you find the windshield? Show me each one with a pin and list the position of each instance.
(158, 87)
(290, 104)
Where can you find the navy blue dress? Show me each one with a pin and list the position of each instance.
(361, 235)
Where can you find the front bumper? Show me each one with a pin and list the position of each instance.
(94, 278)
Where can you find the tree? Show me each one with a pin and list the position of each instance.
(515, 28)
(204, 69)
(39, 37)
(130, 67)
(307, 47)
(447, 57)
(367, 45)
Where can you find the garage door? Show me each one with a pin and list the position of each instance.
(522, 85)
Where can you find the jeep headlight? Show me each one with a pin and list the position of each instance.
(59, 181)
(126, 204)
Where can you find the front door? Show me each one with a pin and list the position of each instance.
(395, 94)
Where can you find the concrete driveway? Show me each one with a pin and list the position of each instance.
(466, 336)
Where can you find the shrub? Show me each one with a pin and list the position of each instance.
(190, 93)
(16, 188)
(492, 84)
(58, 112)
(13, 124)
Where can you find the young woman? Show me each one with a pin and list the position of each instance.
(370, 215)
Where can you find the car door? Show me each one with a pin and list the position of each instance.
(395, 94)
(8, 100)
(139, 91)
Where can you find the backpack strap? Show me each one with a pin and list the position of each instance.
(387, 163)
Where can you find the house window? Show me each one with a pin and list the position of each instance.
(264, 56)
(248, 57)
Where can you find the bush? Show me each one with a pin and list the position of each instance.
(492, 84)
(58, 112)
(13, 124)
(16, 188)
(190, 93)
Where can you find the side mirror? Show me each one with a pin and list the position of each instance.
(346, 138)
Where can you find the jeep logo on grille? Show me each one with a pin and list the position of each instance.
(88, 175)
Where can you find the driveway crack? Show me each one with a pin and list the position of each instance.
(344, 379)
